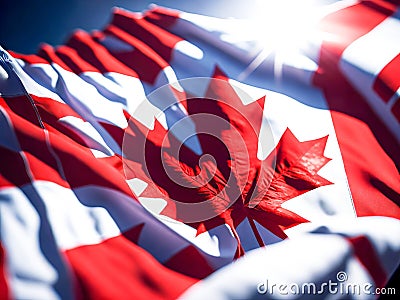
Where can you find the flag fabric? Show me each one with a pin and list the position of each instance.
(178, 155)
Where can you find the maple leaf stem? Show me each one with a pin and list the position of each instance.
(256, 233)
(239, 251)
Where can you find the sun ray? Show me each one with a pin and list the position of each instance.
(282, 29)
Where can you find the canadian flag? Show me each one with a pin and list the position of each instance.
(173, 155)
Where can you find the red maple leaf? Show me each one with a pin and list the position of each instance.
(295, 173)
(289, 171)
(140, 144)
(229, 180)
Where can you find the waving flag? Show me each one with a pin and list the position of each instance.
(178, 155)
